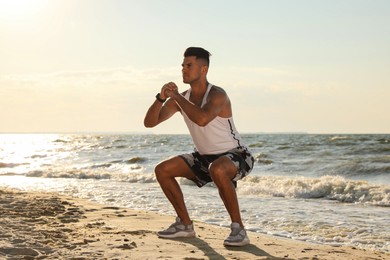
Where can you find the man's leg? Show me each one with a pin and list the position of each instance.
(166, 173)
(223, 171)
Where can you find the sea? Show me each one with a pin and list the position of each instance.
(321, 188)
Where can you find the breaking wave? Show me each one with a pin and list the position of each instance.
(326, 187)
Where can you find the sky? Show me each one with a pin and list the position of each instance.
(287, 66)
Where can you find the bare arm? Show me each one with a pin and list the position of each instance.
(217, 105)
(159, 112)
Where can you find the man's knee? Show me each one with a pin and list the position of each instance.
(160, 169)
(170, 168)
(222, 170)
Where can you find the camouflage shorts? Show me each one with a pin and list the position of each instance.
(199, 164)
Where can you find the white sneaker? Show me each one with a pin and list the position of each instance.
(237, 237)
(177, 229)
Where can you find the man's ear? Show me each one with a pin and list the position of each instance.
(204, 69)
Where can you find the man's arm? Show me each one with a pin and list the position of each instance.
(216, 103)
(159, 112)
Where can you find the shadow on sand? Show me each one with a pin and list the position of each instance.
(211, 253)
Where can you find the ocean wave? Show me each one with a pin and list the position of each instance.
(339, 138)
(61, 141)
(38, 156)
(74, 174)
(384, 140)
(335, 188)
(133, 161)
(9, 174)
(263, 159)
(137, 178)
(11, 165)
(362, 167)
(256, 145)
(326, 187)
(103, 165)
(136, 160)
(95, 173)
(115, 147)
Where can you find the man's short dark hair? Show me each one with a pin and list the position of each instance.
(199, 53)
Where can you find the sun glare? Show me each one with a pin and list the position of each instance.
(20, 9)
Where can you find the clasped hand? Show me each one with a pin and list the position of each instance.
(168, 90)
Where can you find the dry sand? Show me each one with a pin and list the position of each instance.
(52, 226)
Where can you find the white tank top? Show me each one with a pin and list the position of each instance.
(218, 136)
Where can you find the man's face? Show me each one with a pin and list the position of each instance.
(191, 69)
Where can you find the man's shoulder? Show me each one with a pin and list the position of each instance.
(217, 89)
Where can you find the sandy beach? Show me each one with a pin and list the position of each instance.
(52, 226)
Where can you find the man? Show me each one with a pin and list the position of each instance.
(220, 156)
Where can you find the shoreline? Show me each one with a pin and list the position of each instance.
(35, 225)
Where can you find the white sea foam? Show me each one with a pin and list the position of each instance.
(326, 187)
